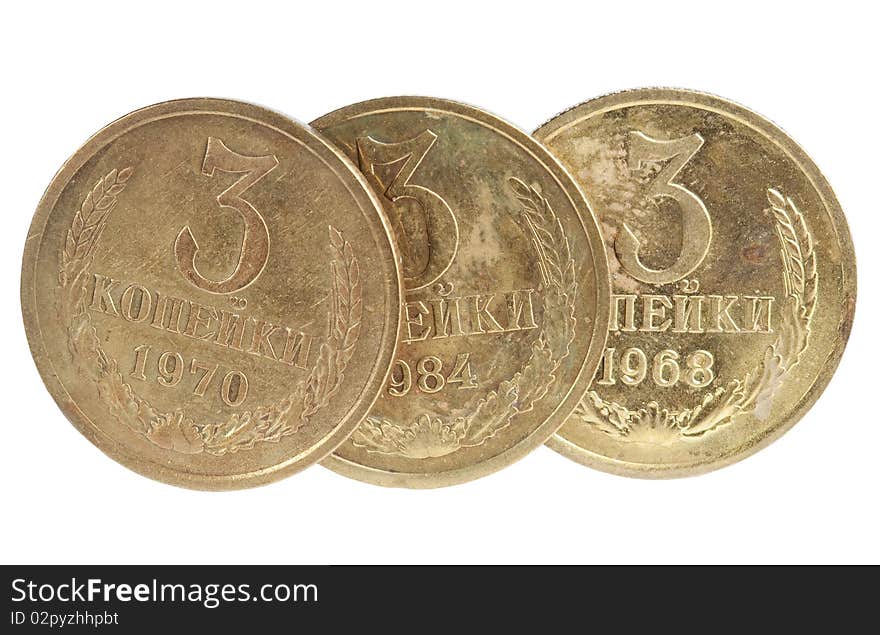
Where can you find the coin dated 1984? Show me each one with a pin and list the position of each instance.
(733, 280)
(506, 288)
(210, 293)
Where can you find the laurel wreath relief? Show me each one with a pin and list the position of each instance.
(754, 391)
(429, 435)
(175, 430)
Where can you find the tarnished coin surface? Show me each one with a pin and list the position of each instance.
(210, 293)
(733, 279)
(506, 285)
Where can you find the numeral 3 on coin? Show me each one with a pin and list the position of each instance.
(696, 225)
(255, 242)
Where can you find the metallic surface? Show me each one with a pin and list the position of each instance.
(733, 276)
(210, 293)
(506, 291)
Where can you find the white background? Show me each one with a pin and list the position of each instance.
(69, 69)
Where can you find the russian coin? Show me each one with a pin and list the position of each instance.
(733, 278)
(210, 293)
(506, 291)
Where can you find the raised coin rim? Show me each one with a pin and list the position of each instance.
(588, 221)
(387, 257)
(777, 136)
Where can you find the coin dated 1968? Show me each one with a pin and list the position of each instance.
(506, 289)
(733, 278)
(210, 293)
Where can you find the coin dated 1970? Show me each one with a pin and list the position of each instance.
(210, 293)
(506, 289)
(733, 278)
